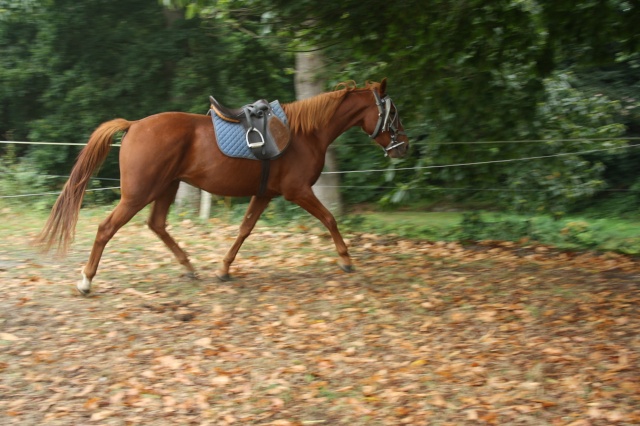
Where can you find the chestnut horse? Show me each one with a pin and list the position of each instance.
(161, 150)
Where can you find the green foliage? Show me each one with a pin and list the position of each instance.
(562, 171)
(460, 55)
(69, 66)
(570, 233)
(18, 178)
(574, 124)
(619, 81)
(471, 71)
(282, 211)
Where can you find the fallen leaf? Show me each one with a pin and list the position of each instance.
(134, 292)
(472, 415)
(294, 321)
(169, 361)
(458, 317)
(419, 363)
(368, 390)
(487, 316)
(87, 390)
(9, 337)
(92, 403)
(205, 342)
(221, 380)
(101, 415)
(438, 401)
(553, 351)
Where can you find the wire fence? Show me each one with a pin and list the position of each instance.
(522, 141)
(478, 163)
(436, 166)
(55, 193)
(49, 143)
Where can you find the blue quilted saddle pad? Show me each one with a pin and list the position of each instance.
(231, 136)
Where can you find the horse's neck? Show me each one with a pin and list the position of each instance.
(350, 113)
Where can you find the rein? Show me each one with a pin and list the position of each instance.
(387, 123)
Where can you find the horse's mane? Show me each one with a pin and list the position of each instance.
(308, 115)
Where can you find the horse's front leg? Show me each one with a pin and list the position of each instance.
(308, 201)
(256, 207)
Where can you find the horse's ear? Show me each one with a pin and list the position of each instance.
(383, 86)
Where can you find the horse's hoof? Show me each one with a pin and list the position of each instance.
(84, 286)
(192, 276)
(83, 292)
(347, 268)
(225, 278)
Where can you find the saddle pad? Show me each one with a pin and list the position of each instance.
(231, 136)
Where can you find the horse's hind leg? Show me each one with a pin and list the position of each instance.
(256, 207)
(158, 223)
(120, 215)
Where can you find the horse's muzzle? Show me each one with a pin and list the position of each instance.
(398, 150)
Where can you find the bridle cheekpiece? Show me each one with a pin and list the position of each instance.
(387, 122)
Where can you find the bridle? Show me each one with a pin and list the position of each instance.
(387, 122)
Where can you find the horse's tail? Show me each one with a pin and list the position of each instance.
(60, 227)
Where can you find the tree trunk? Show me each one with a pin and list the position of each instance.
(309, 83)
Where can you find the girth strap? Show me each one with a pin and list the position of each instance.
(264, 176)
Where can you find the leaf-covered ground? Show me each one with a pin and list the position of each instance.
(424, 333)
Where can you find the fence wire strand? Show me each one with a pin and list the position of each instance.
(569, 140)
(55, 193)
(478, 163)
(49, 143)
(510, 160)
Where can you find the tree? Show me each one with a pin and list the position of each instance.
(68, 66)
(458, 71)
(309, 81)
(469, 70)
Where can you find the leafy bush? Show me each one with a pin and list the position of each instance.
(19, 181)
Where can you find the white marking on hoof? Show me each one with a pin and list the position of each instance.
(84, 286)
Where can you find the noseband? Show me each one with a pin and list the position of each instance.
(386, 122)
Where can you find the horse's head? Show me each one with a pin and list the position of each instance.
(382, 123)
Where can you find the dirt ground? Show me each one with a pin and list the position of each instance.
(423, 333)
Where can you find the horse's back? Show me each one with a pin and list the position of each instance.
(170, 146)
(155, 147)
(165, 131)
(166, 125)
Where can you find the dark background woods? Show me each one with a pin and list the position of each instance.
(548, 77)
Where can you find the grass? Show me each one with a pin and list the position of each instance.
(570, 233)
(430, 225)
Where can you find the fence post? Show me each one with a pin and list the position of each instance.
(205, 205)
(187, 198)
